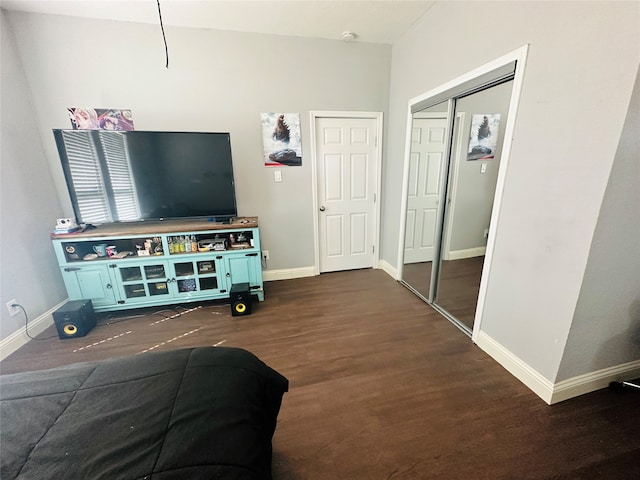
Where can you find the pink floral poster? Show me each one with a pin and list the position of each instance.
(100, 119)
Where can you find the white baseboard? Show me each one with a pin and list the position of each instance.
(36, 326)
(519, 369)
(289, 273)
(467, 253)
(556, 392)
(388, 268)
(590, 382)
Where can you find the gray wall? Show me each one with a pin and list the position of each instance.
(573, 105)
(606, 325)
(216, 81)
(29, 205)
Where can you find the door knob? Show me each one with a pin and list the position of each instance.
(322, 208)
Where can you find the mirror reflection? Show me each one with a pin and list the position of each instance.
(453, 165)
(426, 165)
(475, 159)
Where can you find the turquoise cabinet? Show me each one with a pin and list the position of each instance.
(120, 266)
(90, 282)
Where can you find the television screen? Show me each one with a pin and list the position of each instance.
(116, 176)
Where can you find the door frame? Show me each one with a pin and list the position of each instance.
(314, 116)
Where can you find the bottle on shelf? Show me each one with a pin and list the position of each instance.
(194, 244)
(171, 245)
(187, 244)
(181, 244)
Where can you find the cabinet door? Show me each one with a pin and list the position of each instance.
(243, 268)
(142, 283)
(90, 283)
(197, 277)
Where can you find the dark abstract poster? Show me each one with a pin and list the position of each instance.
(281, 139)
(483, 138)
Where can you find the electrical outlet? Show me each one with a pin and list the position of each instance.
(12, 310)
(265, 254)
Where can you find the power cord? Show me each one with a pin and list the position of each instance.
(26, 323)
(112, 320)
(164, 37)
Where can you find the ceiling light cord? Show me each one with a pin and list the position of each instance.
(164, 37)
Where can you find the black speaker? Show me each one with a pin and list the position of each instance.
(240, 298)
(74, 319)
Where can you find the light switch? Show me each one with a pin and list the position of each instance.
(483, 168)
(277, 175)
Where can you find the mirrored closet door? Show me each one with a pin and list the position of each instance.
(427, 159)
(455, 142)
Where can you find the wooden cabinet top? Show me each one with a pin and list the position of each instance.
(159, 227)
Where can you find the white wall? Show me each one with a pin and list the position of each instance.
(573, 105)
(216, 81)
(29, 205)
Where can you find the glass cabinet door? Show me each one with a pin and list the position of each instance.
(185, 276)
(132, 283)
(207, 275)
(196, 277)
(156, 277)
(143, 281)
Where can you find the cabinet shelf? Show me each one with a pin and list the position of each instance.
(91, 268)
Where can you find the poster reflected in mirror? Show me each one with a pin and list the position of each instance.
(483, 138)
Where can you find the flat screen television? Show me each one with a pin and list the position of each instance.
(131, 176)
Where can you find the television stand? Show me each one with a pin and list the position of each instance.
(140, 264)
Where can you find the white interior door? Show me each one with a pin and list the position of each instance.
(346, 164)
(425, 168)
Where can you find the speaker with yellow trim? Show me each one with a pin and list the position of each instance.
(74, 319)
(240, 298)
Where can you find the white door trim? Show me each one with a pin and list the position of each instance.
(520, 56)
(378, 116)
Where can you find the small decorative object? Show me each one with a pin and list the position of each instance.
(281, 139)
(483, 138)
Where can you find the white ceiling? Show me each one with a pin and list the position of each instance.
(375, 21)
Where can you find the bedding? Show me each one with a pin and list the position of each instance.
(196, 413)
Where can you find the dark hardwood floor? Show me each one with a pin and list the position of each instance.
(381, 387)
(458, 287)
